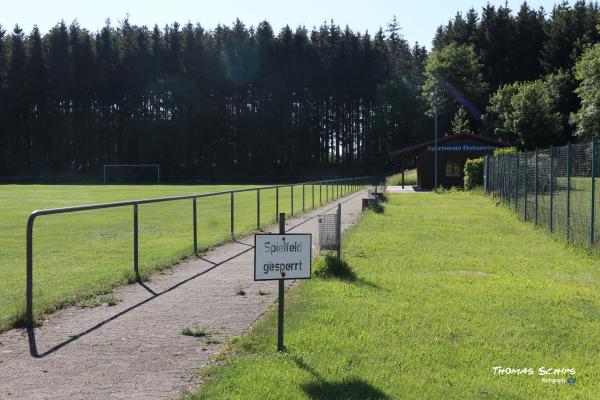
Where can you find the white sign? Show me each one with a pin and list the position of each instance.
(286, 256)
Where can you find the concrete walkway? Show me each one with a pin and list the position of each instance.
(399, 189)
(135, 350)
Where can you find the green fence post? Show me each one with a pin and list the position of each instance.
(551, 188)
(535, 185)
(517, 186)
(525, 184)
(509, 175)
(568, 190)
(593, 210)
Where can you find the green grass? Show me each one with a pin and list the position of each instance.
(446, 287)
(88, 253)
(410, 178)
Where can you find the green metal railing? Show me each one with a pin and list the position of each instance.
(334, 189)
(553, 187)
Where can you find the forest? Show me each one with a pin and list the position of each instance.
(330, 101)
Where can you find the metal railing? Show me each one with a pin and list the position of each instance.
(331, 189)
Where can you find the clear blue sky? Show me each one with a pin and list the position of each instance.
(418, 19)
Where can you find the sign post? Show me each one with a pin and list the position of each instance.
(282, 257)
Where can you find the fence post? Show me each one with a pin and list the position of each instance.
(303, 201)
(257, 208)
(508, 175)
(195, 228)
(135, 243)
(517, 185)
(231, 209)
(277, 204)
(568, 190)
(526, 188)
(593, 210)
(535, 185)
(551, 188)
(313, 195)
(292, 198)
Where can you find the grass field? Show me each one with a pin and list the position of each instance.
(81, 254)
(410, 178)
(448, 286)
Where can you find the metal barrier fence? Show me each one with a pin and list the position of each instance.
(553, 187)
(322, 192)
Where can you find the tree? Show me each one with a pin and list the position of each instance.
(460, 123)
(453, 76)
(526, 114)
(587, 72)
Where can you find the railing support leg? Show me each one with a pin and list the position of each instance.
(135, 243)
(195, 228)
(258, 209)
(231, 209)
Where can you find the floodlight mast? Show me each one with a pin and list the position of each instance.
(435, 99)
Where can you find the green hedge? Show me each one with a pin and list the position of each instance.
(473, 173)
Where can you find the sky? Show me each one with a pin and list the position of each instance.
(418, 19)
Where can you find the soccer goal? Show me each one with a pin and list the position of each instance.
(131, 173)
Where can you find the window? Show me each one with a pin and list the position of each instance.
(453, 168)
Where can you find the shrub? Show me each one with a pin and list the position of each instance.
(505, 150)
(473, 173)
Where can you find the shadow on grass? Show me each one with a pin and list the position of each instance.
(330, 267)
(353, 388)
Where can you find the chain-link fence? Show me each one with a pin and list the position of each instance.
(554, 187)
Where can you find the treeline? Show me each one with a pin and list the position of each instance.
(522, 76)
(233, 100)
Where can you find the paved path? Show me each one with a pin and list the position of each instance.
(136, 349)
(399, 189)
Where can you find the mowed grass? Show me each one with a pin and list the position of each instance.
(447, 287)
(90, 252)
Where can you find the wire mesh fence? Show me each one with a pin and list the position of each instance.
(554, 188)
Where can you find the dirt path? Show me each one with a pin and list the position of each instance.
(136, 349)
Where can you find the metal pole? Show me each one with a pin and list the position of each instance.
(593, 210)
(517, 185)
(536, 186)
(526, 188)
(292, 198)
(29, 283)
(339, 231)
(277, 204)
(551, 188)
(135, 242)
(403, 173)
(568, 189)
(231, 208)
(313, 195)
(303, 201)
(195, 228)
(435, 145)
(327, 193)
(158, 175)
(281, 294)
(257, 208)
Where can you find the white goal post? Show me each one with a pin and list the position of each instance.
(130, 170)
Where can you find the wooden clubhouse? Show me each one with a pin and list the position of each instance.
(453, 151)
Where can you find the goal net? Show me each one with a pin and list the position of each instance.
(131, 173)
